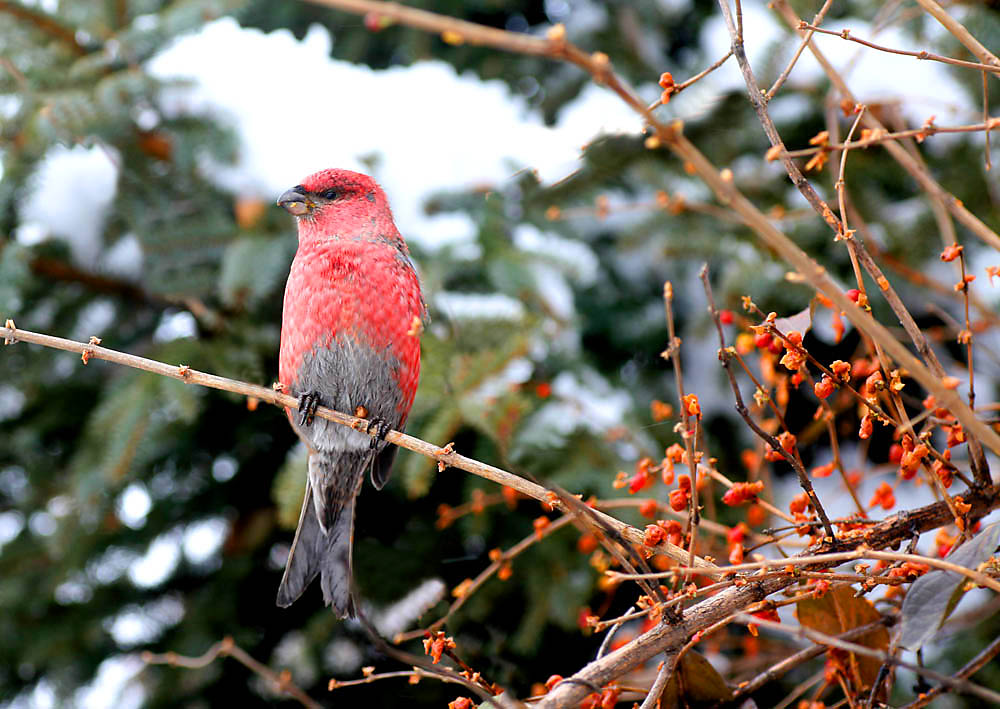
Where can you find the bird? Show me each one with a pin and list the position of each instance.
(350, 328)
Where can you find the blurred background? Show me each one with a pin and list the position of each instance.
(142, 146)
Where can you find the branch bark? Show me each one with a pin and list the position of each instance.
(445, 456)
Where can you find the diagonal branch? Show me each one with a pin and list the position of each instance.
(792, 661)
(43, 21)
(973, 666)
(958, 684)
(925, 55)
(898, 153)
(961, 33)
(598, 65)
(445, 456)
(792, 460)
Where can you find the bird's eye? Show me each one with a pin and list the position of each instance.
(331, 194)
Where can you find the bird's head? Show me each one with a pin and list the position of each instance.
(334, 197)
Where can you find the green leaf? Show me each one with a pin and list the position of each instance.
(930, 599)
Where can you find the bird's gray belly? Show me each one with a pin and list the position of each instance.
(348, 374)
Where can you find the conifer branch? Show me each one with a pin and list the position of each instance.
(43, 21)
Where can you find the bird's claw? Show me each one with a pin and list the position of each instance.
(380, 428)
(308, 403)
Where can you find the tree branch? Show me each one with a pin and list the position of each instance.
(445, 456)
(43, 21)
(282, 682)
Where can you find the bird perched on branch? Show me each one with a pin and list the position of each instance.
(350, 332)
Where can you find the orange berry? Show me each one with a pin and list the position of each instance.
(654, 535)
(586, 544)
(824, 387)
(823, 471)
(865, 431)
(798, 504)
(951, 252)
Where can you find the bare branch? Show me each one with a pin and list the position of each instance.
(960, 685)
(961, 33)
(969, 669)
(930, 56)
(445, 456)
(281, 682)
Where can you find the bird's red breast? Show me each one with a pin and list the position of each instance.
(351, 277)
(361, 288)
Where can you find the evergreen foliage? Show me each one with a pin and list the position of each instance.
(508, 389)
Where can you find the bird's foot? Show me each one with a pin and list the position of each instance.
(377, 428)
(308, 403)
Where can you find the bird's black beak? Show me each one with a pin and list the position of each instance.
(294, 202)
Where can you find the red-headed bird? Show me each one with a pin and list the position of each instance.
(349, 341)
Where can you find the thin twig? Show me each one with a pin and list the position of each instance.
(961, 33)
(484, 576)
(606, 642)
(282, 682)
(798, 53)
(802, 656)
(875, 137)
(973, 575)
(724, 355)
(673, 351)
(930, 56)
(967, 670)
(960, 685)
(409, 674)
(445, 456)
(986, 116)
(663, 675)
(677, 88)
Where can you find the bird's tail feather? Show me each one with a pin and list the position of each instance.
(328, 555)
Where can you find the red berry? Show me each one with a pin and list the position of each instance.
(726, 317)
(853, 294)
